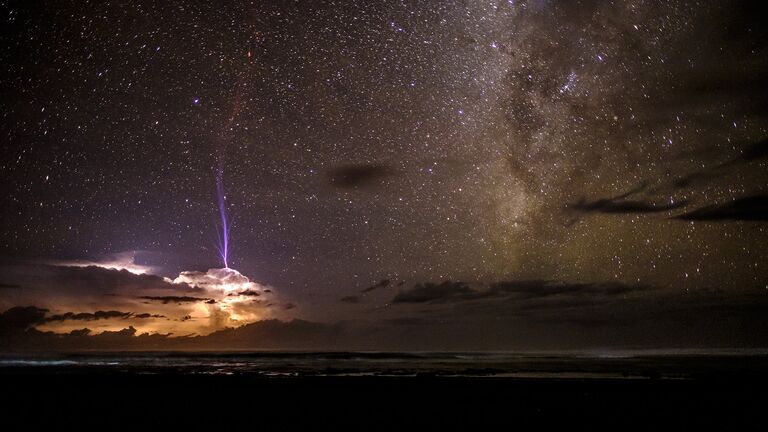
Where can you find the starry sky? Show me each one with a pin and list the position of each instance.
(419, 173)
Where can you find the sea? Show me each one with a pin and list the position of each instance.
(583, 365)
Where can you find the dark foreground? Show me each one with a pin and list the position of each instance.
(731, 396)
(375, 403)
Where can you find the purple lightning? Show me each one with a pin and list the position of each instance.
(221, 197)
(223, 240)
(222, 231)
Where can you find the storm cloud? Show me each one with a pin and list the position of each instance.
(751, 208)
(176, 299)
(622, 205)
(99, 315)
(429, 292)
(381, 284)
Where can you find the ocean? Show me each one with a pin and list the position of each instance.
(679, 365)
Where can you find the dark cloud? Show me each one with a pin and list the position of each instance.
(9, 286)
(107, 280)
(752, 208)
(520, 290)
(148, 315)
(359, 175)
(381, 284)
(99, 315)
(62, 281)
(532, 289)
(21, 318)
(251, 293)
(17, 328)
(744, 209)
(130, 331)
(288, 306)
(87, 316)
(620, 204)
(350, 299)
(178, 299)
(431, 293)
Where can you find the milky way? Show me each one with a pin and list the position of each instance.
(415, 142)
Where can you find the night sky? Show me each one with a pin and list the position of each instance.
(410, 175)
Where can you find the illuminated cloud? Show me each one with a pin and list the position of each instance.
(232, 298)
(119, 261)
(195, 302)
(221, 279)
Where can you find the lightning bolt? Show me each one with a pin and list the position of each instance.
(225, 223)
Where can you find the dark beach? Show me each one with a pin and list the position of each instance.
(650, 393)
